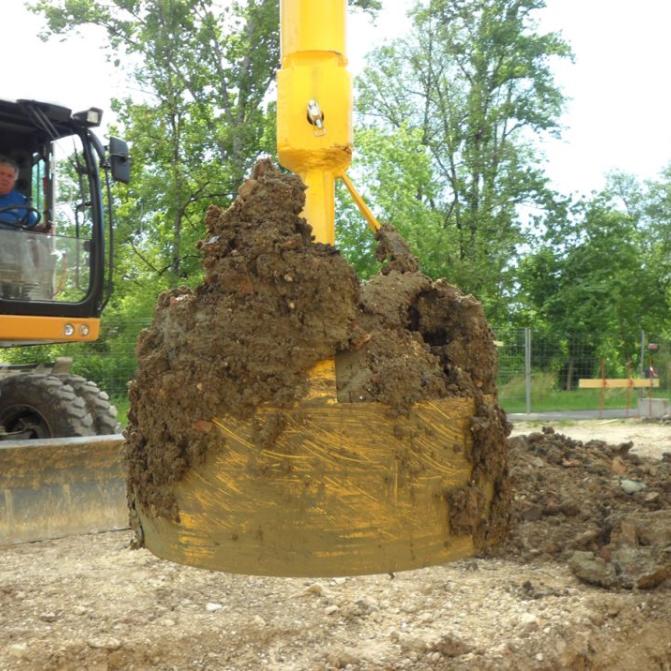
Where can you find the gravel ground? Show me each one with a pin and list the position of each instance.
(89, 602)
(651, 439)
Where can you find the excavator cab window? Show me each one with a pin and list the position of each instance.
(45, 250)
(52, 250)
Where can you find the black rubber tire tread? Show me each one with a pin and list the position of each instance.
(64, 414)
(97, 402)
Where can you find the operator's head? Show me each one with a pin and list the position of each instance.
(9, 172)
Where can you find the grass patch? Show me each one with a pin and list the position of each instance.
(122, 405)
(546, 398)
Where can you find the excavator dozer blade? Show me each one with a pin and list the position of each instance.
(61, 487)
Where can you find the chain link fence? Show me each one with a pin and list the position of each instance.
(542, 374)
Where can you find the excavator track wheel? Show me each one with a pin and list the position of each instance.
(97, 402)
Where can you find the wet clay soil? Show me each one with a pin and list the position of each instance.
(272, 305)
(597, 506)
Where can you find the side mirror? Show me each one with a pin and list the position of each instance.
(119, 160)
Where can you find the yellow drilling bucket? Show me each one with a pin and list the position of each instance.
(344, 488)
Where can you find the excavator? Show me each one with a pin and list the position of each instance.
(55, 278)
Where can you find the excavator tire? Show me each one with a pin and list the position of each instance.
(97, 402)
(43, 406)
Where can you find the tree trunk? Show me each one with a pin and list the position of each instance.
(569, 374)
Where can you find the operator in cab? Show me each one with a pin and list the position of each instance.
(15, 209)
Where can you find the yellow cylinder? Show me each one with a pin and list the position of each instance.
(314, 104)
(341, 492)
(312, 25)
(320, 203)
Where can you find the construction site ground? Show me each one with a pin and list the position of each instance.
(90, 602)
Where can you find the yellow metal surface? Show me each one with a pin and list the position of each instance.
(320, 204)
(373, 223)
(322, 379)
(310, 25)
(347, 489)
(314, 70)
(61, 486)
(302, 146)
(20, 328)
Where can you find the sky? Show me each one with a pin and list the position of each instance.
(618, 116)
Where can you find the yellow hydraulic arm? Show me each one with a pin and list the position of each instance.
(314, 108)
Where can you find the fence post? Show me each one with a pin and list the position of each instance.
(644, 337)
(527, 367)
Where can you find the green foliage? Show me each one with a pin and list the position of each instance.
(451, 112)
(601, 275)
(353, 237)
(370, 6)
(196, 129)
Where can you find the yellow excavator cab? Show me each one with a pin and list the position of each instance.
(55, 267)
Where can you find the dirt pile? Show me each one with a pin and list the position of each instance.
(273, 304)
(603, 510)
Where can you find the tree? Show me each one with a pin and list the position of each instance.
(205, 69)
(197, 126)
(656, 216)
(595, 282)
(467, 91)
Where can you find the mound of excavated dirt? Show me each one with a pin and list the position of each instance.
(603, 510)
(273, 304)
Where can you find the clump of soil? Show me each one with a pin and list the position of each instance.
(273, 304)
(603, 510)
